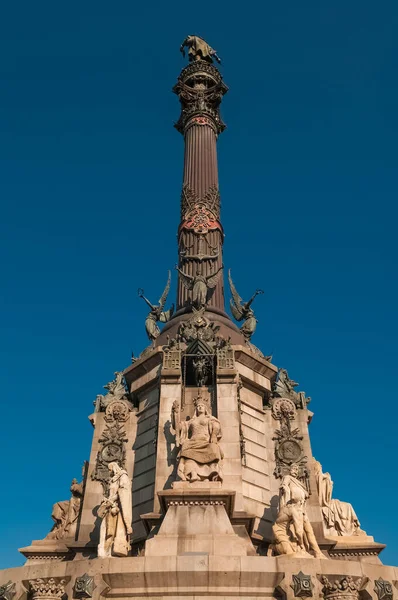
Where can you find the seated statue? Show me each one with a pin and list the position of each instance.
(198, 438)
(116, 514)
(339, 517)
(66, 513)
(293, 533)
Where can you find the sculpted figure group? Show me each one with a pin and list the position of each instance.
(292, 529)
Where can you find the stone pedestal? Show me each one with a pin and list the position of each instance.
(197, 520)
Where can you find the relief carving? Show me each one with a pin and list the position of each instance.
(84, 587)
(341, 589)
(113, 449)
(52, 588)
(7, 591)
(383, 589)
(302, 585)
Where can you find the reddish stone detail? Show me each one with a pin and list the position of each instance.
(201, 220)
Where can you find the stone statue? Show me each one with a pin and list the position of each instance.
(116, 513)
(116, 391)
(157, 313)
(199, 285)
(198, 439)
(284, 388)
(65, 514)
(201, 368)
(339, 517)
(198, 49)
(242, 311)
(292, 529)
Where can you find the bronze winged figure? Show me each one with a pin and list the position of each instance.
(157, 313)
(242, 311)
(199, 285)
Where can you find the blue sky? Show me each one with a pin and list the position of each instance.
(90, 178)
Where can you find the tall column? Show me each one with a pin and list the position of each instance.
(200, 234)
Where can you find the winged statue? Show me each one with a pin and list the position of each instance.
(157, 313)
(242, 311)
(199, 285)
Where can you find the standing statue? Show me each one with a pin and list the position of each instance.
(292, 529)
(201, 368)
(200, 285)
(66, 513)
(198, 438)
(116, 514)
(242, 311)
(339, 517)
(157, 313)
(198, 49)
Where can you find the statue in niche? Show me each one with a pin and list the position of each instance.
(292, 529)
(66, 513)
(284, 388)
(116, 513)
(201, 368)
(198, 49)
(242, 311)
(339, 517)
(199, 285)
(157, 313)
(198, 439)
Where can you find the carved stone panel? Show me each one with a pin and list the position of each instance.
(113, 449)
(302, 585)
(84, 587)
(7, 591)
(383, 589)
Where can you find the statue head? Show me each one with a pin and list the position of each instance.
(201, 408)
(294, 471)
(114, 468)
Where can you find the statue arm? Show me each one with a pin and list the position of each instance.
(141, 295)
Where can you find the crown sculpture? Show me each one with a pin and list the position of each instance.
(201, 479)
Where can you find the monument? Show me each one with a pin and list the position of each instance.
(201, 480)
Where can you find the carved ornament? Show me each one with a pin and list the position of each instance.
(283, 407)
(341, 589)
(383, 589)
(302, 585)
(118, 410)
(84, 587)
(113, 449)
(288, 447)
(49, 588)
(7, 591)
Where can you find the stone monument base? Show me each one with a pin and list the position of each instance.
(197, 520)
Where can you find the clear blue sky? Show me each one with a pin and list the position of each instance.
(90, 178)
